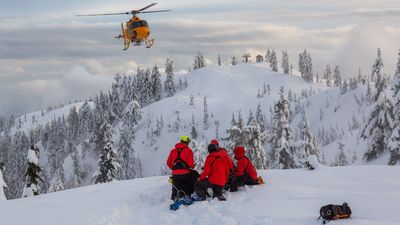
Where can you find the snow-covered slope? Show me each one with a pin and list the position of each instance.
(289, 197)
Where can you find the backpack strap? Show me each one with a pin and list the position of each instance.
(216, 157)
(179, 163)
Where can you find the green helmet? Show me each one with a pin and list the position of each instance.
(185, 139)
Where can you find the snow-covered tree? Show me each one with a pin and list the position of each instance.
(2, 183)
(378, 128)
(337, 78)
(205, 115)
(108, 164)
(328, 75)
(199, 61)
(199, 154)
(394, 143)
(219, 60)
(282, 151)
(268, 56)
(377, 67)
(234, 60)
(193, 131)
(308, 144)
(254, 142)
(155, 81)
(273, 63)
(130, 164)
(32, 174)
(340, 159)
(285, 62)
(305, 66)
(169, 85)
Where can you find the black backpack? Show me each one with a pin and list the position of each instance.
(334, 212)
(179, 163)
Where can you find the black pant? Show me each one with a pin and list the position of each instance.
(236, 182)
(201, 187)
(183, 185)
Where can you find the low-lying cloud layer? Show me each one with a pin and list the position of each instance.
(48, 56)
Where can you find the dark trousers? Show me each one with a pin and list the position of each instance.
(240, 181)
(183, 185)
(201, 187)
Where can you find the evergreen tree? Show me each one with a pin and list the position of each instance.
(155, 84)
(273, 61)
(234, 61)
(337, 78)
(254, 142)
(193, 132)
(108, 164)
(32, 174)
(341, 159)
(205, 117)
(199, 61)
(282, 151)
(377, 67)
(394, 144)
(2, 183)
(308, 143)
(378, 128)
(169, 85)
(219, 60)
(305, 66)
(285, 62)
(328, 76)
(268, 56)
(130, 165)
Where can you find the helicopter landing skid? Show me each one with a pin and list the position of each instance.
(149, 42)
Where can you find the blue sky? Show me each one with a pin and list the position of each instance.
(46, 52)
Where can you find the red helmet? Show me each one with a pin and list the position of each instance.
(214, 142)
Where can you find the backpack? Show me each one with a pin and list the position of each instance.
(179, 163)
(334, 212)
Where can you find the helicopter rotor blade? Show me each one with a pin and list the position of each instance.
(156, 11)
(105, 14)
(139, 10)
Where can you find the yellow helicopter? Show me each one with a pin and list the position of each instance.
(134, 30)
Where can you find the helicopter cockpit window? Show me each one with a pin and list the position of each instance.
(140, 23)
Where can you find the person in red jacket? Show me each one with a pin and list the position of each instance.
(214, 175)
(181, 162)
(225, 153)
(245, 173)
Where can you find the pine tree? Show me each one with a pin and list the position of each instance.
(219, 60)
(378, 128)
(328, 76)
(169, 85)
(337, 78)
(285, 62)
(341, 159)
(3, 184)
(377, 67)
(394, 143)
(234, 61)
(273, 61)
(282, 155)
(199, 61)
(205, 117)
(308, 143)
(254, 142)
(193, 132)
(32, 174)
(108, 164)
(156, 85)
(268, 56)
(305, 66)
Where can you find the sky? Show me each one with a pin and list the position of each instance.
(48, 56)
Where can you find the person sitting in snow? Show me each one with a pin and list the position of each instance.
(181, 162)
(224, 152)
(245, 173)
(214, 175)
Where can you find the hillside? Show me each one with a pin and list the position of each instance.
(289, 197)
(69, 152)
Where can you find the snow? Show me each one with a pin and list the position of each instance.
(2, 186)
(32, 158)
(287, 197)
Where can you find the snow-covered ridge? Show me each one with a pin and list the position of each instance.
(289, 197)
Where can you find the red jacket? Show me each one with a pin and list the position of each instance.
(216, 169)
(244, 165)
(186, 154)
(228, 158)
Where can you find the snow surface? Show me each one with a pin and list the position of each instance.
(2, 186)
(32, 158)
(288, 197)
